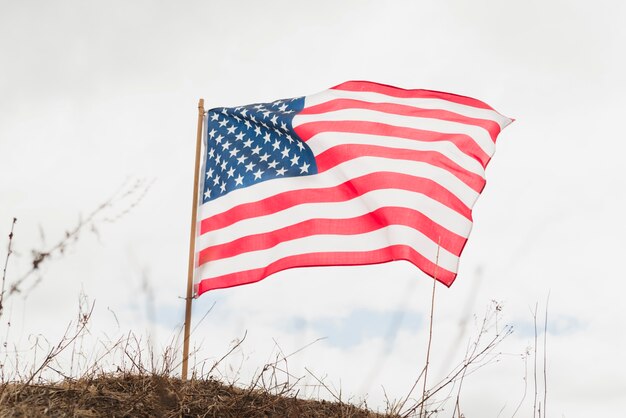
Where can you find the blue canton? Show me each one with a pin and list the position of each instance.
(254, 143)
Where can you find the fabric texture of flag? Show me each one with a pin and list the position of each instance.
(361, 173)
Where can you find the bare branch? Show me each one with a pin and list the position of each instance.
(6, 263)
(99, 214)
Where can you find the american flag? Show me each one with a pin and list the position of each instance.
(361, 173)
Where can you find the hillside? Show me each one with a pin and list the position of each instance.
(158, 396)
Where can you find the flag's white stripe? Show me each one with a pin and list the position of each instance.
(424, 103)
(337, 175)
(326, 140)
(477, 133)
(366, 203)
(381, 238)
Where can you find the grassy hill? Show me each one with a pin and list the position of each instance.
(159, 396)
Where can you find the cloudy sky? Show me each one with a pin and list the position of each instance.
(97, 96)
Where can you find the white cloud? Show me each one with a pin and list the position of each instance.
(92, 95)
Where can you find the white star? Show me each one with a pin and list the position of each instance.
(231, 172)
(285, 152)
(226, 145)
(244, 112)
(224, 111)
(252, 118)
(278, 132)
(247, 143)
(250, 166)
(207, 194)
(223, 123)
(274, 119)
(295, 159)
(211, 153)
(239, 136)
(257, 130)
(218, 159)
(300, 145)
(247, 123)
(242, 159)
(281, 172)
(224, 165)
(272, 164)
(216, 180)
(231, 129)
(256, 150)
(215, 116)
(219, 139)
(289, 138)
(276, 145)
(267, 137)
(223, 187)
(283, 107)
(257, 174)
(209, 173)
(239, 180)
(212, 133)
(258, 106)
(234, 152)
(266, 114)
(283, 126)
(304, 168)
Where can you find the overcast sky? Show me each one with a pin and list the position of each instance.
(95, 95)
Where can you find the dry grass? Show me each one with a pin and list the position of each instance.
(143, 387)
(161, 396)
(128, 379)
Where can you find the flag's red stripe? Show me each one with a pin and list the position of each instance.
(343, 192)
(368, 86)
(403, 110)
(372, 221)
(345, 152)
(383, 255)
(464, 143)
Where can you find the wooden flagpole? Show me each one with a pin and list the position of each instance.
(192, 242)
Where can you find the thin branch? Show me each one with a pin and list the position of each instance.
(453, 376)
(245, 334)
(525, 356)
(321, 382)
(303, 348)
(535, 362)
(203, 318)
(39, 256)
(60, 347)
(6, 263)
(430, 327)
(408, 396)
(457, 404)
(545, 357)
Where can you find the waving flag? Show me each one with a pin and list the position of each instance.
(362, 173)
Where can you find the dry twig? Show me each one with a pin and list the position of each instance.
(6, 263)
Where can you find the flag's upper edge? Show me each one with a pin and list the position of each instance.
(364, 85)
